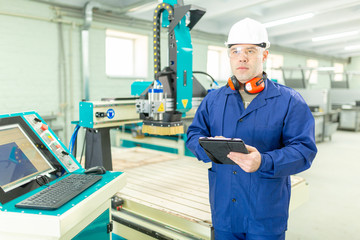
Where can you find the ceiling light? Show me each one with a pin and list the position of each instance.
(352, 47)
(334, 36)
(325, 69)
(288, 20)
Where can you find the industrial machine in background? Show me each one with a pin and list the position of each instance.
(98, 117)
(164, 102)
(170, 96)
(34, 161)
(347, 103)
(334, 108)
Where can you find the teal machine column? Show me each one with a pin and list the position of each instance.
(176, 80)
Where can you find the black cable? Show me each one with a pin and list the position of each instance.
(42, 180)
(90, 158)
(205, 73)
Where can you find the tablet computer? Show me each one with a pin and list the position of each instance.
(217, 149)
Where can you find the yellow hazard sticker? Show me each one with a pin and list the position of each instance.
(161, 108)
(184, 102)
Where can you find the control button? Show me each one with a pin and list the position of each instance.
(44, 127)
(47, 137)
(55, 146)
(37, 120)
(99, 114)
(58, 152)
(65, 153)
(234, 200)
(50, 137)
(234, 172)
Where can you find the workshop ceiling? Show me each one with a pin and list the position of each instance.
(328, 27)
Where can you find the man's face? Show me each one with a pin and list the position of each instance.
(247, 61)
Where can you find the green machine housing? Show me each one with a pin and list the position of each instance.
(177, 83)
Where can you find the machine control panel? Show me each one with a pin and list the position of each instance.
(52, 142)
(31, 155)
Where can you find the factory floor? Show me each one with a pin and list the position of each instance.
(333, 209)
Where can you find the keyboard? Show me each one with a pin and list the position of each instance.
(59, 193)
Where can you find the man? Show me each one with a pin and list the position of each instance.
(250, 200)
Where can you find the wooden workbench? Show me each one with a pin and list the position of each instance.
(173, 189)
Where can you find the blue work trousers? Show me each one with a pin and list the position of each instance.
(221, 235)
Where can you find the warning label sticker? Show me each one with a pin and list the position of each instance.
(184, 102)
(161, 108)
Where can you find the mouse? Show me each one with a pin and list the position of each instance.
(95, 170)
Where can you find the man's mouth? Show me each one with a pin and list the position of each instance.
(242, 68)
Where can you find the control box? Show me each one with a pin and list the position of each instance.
(101, 114)
(52, 142)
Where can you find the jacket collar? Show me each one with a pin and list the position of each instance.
(271, 90)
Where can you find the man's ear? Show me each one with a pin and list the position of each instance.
(265, 55)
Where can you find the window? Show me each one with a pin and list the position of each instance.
(218, 64)
(126, 54)
(339, 70)
(273, 63)
(312, 63)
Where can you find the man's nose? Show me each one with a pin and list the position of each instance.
(243, 58)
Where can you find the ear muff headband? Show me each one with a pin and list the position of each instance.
(233, 83)
(252, 86)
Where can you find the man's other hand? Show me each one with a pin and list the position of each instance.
(248, 162)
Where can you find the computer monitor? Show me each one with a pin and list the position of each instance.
(20, 160)
(23, 159)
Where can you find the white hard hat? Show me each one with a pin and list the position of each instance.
(248, 31)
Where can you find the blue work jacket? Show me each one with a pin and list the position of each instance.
(280, 125)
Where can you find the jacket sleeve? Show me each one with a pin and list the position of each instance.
(199, 128)
(298, 138)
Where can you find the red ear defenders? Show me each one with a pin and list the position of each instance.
(252, 86)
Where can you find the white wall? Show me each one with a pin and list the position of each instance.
(354, 65)
(28, 63)
(30, 71)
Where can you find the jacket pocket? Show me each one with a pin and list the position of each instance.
(273, 197)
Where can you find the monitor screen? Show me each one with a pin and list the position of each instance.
(20, 159)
